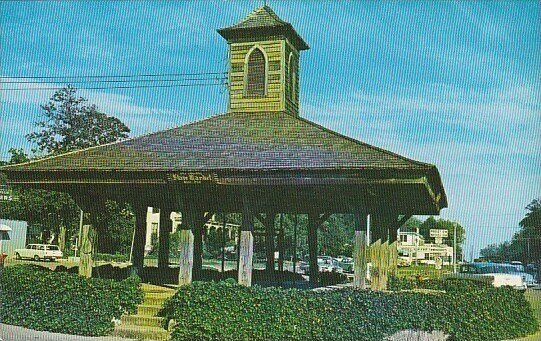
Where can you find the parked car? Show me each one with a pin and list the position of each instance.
(347, 264)
(501, 274)
(39, 252)
(303, 267)
(517, 265)
(403, 261)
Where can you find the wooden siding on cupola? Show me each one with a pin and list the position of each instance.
(272, 101)
(291, 86)
(280, 85)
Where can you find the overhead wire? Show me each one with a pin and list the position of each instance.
(116, 76)
(134, 81)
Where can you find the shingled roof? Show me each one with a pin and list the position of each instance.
(241, 141)
(263, 20)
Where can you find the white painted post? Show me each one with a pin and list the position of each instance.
(86, 262)
(186, 248)
(246, 247)
(360, 253)
(246, 258)
(186, 256)
(359, 260)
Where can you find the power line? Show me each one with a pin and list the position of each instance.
(120, 80)
(121, 87)
(115, 76)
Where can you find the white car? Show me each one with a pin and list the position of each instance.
(38, 252)
(499, 275)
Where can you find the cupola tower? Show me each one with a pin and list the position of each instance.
(264, 55)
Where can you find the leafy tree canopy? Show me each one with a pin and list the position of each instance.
(70, 123)
(525, 244)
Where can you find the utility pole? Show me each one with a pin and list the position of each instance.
(454, 249)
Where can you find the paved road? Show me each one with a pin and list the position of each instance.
(13, 333)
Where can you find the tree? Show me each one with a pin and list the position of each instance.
(17, 156)
(444, 224)
(70, 123)
(525, 244)
(46, 210)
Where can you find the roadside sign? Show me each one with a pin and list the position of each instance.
(439, 233)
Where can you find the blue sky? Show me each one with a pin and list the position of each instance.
(456, 84)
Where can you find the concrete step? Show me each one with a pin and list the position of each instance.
(142, 320)
(141, 332)
(156, 298)
(148, 288)
(148, 310)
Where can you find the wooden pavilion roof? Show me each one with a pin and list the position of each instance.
(241, 149)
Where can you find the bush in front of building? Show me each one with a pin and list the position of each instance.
(227, 311)
(38, 298)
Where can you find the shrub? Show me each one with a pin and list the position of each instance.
(332, 278)
(37, 298)
(227, 311)
(106, 257)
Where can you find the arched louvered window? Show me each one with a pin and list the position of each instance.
(256, 69)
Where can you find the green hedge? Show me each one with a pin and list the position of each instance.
(37, 298)
(226, 311)
(106, 257)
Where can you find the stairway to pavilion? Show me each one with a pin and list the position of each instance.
(145, 324)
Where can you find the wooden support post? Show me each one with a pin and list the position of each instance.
(186, 245)
(360, 253)
(201, 219)
(166, 226)
(393, 234)
(269, 243)
(62, 238)
(224, 218)
(384, 266)
(246, 246)
(393, 260)
(378, 228)
(138, 249)
(197, 251)
(295, 244)
(88, 233)
(238, 248)
(87, 248)
(281, 244)
(384, 226)
(375, 259)
(312, 248)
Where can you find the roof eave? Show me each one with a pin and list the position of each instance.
(287, 30)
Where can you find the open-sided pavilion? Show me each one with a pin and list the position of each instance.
(260, 158)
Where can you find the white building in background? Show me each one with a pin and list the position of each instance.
(153, 226)
(412, 246)
(17, 236)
